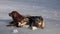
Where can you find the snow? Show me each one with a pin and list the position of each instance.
(51, 27)
(15, 31)
(49, 9)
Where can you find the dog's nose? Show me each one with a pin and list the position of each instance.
(9, 14)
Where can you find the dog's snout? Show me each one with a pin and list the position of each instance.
(9, 14)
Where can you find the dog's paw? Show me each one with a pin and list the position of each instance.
(33, 28)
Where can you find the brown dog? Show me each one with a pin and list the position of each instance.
(17, 18)
(20, 21)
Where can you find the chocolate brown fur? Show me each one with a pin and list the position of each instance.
(16, 18)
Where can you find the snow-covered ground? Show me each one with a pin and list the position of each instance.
(50, 10)
(51, 27)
